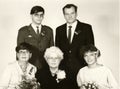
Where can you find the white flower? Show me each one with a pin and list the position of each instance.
(29, 36)
(27, 83)
(89, 85)
(61, 75)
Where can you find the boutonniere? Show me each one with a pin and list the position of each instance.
(29, 36)
(60, 75)
(43, 33)
(77, 32)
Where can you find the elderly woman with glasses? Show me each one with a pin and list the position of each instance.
(53, 77)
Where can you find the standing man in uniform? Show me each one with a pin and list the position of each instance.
(70, 37)
(37, 35)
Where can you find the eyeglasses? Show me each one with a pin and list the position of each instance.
(38, 15)
(23, 51)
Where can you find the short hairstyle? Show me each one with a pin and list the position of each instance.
(23, 46)
(69, 6)
(89, 48)
(37, 9)
(53, 50)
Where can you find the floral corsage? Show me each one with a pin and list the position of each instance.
(60, 75)
(89, 85)
(28, 83)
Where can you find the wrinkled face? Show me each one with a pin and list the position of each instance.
(24, 55)
(37, 18)
(53, 61)
(70, 15)
(90, 58)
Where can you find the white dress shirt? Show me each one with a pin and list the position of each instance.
(72, 29)
(35, 27)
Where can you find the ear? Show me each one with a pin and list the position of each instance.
(97, 53)
(76, 14)
(30, 55)
(17, 54)
(47, 60)
(30, 16)
(43, 16)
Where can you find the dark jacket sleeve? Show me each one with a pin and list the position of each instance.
(51, 38)
(89, 35)
(21, 35)
(57, 38)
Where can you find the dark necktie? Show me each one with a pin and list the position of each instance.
(69, 33)
(37, 30)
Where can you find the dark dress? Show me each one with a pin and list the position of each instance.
(47, 81)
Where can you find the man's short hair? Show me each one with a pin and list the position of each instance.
(69, 6)
(37, 9)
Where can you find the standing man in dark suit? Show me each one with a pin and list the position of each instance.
(37, 35)
(70, 37)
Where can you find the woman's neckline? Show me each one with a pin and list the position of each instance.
(95, 67)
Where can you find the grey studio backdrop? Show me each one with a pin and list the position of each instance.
(103, 15)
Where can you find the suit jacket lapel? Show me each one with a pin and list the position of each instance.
(65, 31)
(32, 32)
(77, 32)
(42, 33)
(65, 34)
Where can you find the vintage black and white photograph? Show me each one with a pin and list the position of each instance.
(59, 44)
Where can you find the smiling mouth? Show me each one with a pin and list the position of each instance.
(24, 57)
(53, 63)
(89, 61)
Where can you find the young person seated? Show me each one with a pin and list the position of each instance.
(94, 75)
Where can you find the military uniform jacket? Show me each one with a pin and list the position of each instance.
(28, 35)
(38, 43)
